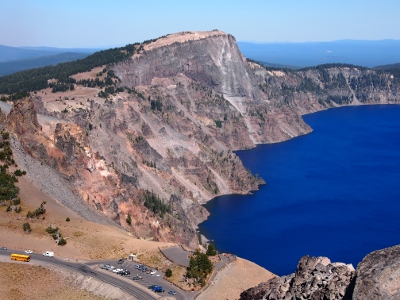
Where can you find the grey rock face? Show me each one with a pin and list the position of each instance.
(378, 275)
(316, 278)
(215, 61)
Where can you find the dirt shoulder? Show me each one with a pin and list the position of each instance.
(44, 283)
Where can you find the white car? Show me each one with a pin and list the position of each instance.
(153, 272)
(117, 270)
(48, 253)
(28, 251)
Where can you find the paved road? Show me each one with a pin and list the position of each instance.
(147, 280)
(177, 255)
(84, 269)
(92, 268)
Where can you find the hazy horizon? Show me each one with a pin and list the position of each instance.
(102, 24)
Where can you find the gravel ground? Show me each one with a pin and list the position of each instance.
(234, 279)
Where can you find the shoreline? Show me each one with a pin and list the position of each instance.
(343, 106)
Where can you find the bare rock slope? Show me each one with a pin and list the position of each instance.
(160, 144)
(378, 275)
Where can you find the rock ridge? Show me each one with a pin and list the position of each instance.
(316, 278)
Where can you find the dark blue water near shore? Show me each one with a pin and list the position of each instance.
(334, 192)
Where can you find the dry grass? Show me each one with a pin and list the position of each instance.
(20, 281)
(85, 240)
(176, 279)
(155, 259)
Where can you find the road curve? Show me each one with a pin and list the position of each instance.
(87, 271)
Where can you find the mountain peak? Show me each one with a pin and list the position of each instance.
(182, 37)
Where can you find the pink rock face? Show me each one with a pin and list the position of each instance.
(22, 118)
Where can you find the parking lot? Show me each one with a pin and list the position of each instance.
(147, 280)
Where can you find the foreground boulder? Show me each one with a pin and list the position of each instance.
(316, 278)
(378, 275)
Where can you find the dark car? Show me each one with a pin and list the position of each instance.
(3, 248)
(158, 289)
(120, 261)
(137, 277)
(152, 286)
(126, 273)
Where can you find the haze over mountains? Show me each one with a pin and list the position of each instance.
(299, 55)
(15, 59)
(281, 55)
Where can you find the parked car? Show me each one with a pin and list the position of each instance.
(48, 253)
(137, 277)
(152, 286)
(117, 270)
(172, 292)
(106, 267)
(138, 266)
(153, 272)
(126, 273)
(3, 248)
(158, 289)
(120, 261)
(28, 251)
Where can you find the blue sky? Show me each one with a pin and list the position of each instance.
(100, 23)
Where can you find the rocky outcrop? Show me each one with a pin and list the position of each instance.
(3, 117)
(378, 275)
(22, 118)
(316, 278)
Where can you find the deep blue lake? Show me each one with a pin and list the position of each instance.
(334, 192)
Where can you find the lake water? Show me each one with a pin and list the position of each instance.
(334, 192)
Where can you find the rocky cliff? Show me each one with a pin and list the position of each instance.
(376, 278)
(378, 275)
(157, 143)
(316, 278)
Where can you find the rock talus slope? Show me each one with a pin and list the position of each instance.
(316, 278)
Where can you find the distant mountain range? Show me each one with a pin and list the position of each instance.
(15, 59)
(382, 54)
(299, 55)
(13, 66)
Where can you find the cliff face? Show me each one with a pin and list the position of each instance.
(163, 146)
(376, 277)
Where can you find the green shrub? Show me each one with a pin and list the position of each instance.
(218, 123)
(67, 219)
(26, 227)
(62, 242)
(168, 273)
(129, 219)
(51, 230)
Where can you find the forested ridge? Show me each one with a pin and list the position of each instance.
(37, 79)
